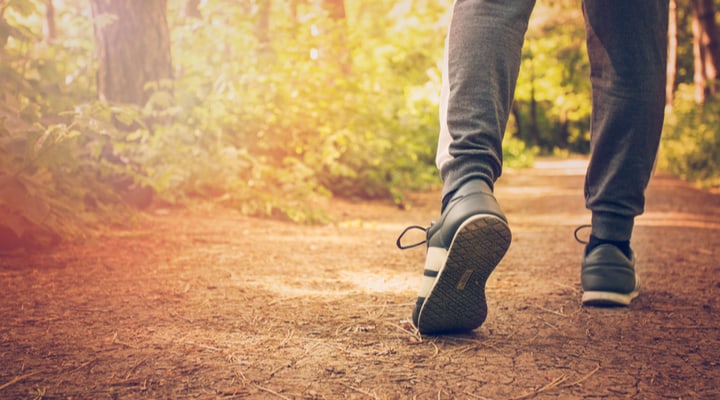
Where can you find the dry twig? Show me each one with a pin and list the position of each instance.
(551, 311)
(16, 380)
(584, 378)
(552, 385)
(415, 334)
(557, 383)
(474, 396)
(371, 395)
(83, 365)
(266, 390)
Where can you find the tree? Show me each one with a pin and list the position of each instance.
(335, 10)
(672, 54)
(706, 49)
(49, 29)
(552, 107)
(133, 48)
(192, 9)
(262, 27)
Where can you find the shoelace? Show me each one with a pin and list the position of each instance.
(577, 230)
(399, 244)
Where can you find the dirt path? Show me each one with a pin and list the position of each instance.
(209, 304)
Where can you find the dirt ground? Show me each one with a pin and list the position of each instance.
(210, 304)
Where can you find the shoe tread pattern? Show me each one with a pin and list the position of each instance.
(457, 301)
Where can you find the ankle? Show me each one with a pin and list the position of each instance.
(623, 245)
(612, 227)
(468, 187)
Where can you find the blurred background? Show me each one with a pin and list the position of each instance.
(109, 108)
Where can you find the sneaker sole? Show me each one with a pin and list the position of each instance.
(598, 298)
(456, 302)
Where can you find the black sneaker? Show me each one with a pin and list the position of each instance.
(463, 248)
(608, 277)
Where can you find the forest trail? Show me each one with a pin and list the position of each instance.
(210, 304)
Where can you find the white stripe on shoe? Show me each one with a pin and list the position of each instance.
(434, 261)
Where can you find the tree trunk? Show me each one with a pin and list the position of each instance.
(699, 76)
(534, 129)
(49, 30)
(133, 48)
(563, 135)
(706, 49)
(515, 110)
(192, 10)
(671, 55)
(710, 41)
(262, 28)
(294, 5)
(335, 10)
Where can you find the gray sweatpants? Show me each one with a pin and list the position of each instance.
(627, 45)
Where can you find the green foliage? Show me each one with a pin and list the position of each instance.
(691, 139)
(555, 74)
(516, 154)
(54, 181)
(267, 122)
(293, 108)
(272, 120)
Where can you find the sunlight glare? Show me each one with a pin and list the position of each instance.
(382, 283)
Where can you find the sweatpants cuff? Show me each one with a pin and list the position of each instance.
(612, 226)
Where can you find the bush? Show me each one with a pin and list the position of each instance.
(691, 139)
(516, 153)
(267, 128)
(55, 182)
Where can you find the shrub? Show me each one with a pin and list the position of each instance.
(691, 139)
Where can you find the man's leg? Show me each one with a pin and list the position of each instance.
(482, 60)
(627, 45)
(472, 234)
